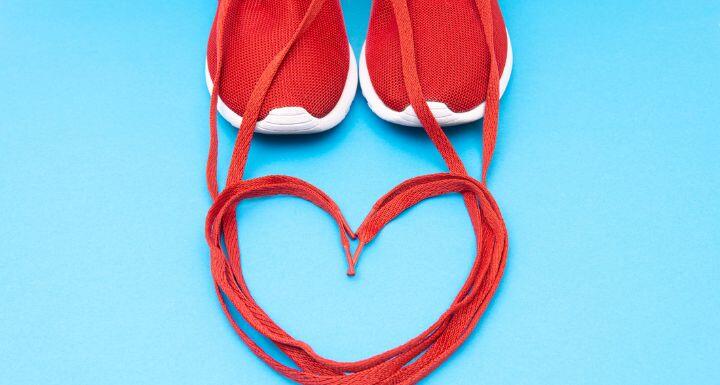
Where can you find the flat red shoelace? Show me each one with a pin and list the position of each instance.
(415, 359)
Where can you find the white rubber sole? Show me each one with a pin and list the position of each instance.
(444, 115)
(296, 120)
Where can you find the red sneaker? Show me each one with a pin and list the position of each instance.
(316, 82)
(451, 56)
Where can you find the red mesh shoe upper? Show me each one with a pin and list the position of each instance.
(314, 72)
(451, 53)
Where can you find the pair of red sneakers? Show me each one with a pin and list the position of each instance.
(316, 81)
(285, 66)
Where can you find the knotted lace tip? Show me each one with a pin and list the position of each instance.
(352, 262)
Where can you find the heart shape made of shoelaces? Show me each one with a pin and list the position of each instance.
(415, 359)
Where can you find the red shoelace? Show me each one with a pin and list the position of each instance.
(415, 359)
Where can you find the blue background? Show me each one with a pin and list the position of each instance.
(606, 171)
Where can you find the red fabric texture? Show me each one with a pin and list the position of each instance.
(415, 359)
(314, 72)
(451, 53)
